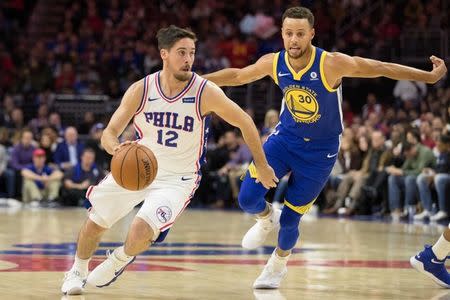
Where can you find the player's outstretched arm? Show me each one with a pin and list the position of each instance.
(122, 116)
(214, 100)
(234, 76)
(338, 65)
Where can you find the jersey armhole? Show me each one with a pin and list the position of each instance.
(274, 67)
(144, 96)
(199, 99)
(322, 73)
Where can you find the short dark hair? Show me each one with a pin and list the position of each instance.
(299, 12)
(168, 36)
(415, 133)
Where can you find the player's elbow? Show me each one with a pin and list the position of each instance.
(245, 123)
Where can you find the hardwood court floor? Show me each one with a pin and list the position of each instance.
(202, 259)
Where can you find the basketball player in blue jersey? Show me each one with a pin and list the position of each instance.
(170, 111)
(306, 141)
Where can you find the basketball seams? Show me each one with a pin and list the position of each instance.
(154, 166)
(121, 165)
(137, 166)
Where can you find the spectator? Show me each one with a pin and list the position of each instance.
(22, 153)
(102, 158)
(426, 135)
(409, 93)
(371, 106)
(65, 82)
(440, 176)
(54, 120)
(271, 120)
(349, 158)
(372, 162)
(40, 182)
(68, 152)
(46, 144)
(418, 157)
(6, 175)
(16, 122)
(88, 122)
(79, 178)
(41, 120)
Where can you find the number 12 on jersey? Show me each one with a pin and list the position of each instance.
(167, 139)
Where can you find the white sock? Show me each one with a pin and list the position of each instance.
(442, 248)
(120, 254)
(269, 214)
(81, 265)
(279, 262)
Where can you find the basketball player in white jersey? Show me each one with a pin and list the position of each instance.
(171, 113)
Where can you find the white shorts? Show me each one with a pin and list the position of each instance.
(164, 200)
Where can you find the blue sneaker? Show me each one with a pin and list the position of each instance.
(427, 263)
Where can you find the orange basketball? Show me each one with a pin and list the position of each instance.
(134, 167)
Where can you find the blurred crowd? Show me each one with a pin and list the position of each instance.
(394, 152)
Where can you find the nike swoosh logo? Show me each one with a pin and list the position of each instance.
(152, 99)
(283, 74)
(184, 178)
(331, 155)
(436, 262)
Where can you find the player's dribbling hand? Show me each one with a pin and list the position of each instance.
(122, 145)
(439, 68)
(266, 176)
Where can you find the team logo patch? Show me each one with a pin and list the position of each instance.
(164, 214)
(302, 104)
(189, 100)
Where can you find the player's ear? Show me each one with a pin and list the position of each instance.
(313, 32)
(164, 53)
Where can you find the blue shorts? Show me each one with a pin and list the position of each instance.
(309, 161)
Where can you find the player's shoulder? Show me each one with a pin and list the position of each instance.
(267, 58)
(210, 87)
(139, 84)
(336, 57)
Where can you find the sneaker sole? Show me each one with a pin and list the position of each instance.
(262, 286)
(74, 291)
(117, 275)
(418, 265)
(265, 287)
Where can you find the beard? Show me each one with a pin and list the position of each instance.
(184, 76)
(300, 54)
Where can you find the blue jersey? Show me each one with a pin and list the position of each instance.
(310, 109)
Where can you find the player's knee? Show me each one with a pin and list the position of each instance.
(140, 231)
(246, 199)
(92, 228)
(289, 219)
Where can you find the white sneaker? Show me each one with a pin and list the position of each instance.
(274, 271)
(422, 216)
(34, 204)
(108, 271)
(73, 283)
(440, 215)
(256, 235)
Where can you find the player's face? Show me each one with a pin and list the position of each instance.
(179, 59)
(297, 35)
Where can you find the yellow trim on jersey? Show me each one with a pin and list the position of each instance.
(300, 209)
(298, 76)
(322, 73)
(252, 170)
(274, 67)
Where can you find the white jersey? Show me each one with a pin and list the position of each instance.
(173, 128)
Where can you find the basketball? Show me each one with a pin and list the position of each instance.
(134, 167)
